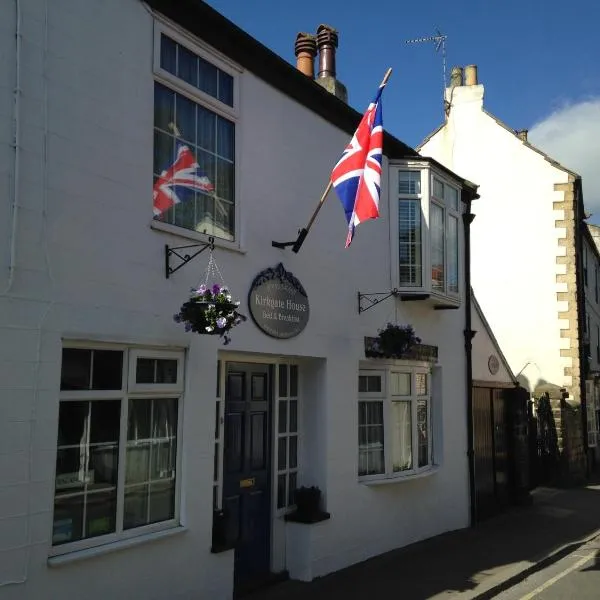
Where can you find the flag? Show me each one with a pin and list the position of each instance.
(357, 175)
(174, 184)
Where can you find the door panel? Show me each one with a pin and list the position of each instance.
(247, 468)
(500, 449)
(484, 452)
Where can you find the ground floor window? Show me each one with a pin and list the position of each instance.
(118, 444)
(394, 421)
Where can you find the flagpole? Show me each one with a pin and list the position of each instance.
(304, 232)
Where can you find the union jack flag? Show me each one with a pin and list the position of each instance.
(174, 184)
(357, 175)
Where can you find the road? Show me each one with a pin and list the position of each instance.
(576, 576)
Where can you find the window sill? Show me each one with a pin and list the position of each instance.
(77, 555)
(188, 234)
(397, 478)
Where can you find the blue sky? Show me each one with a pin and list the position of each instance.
(534, 57)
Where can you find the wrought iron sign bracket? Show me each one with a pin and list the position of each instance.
(184, 257)
(375, 298)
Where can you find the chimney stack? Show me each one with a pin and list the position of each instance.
(306, 50)
(471, 75)
(327, 42)
(522, 134)
(456, 77)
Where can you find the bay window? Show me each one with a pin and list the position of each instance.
(394, 421)
(118, 445)
(428, 251)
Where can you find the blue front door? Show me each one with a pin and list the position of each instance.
(247, 469)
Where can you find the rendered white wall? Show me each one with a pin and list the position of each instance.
(90, 267)
(514, 240)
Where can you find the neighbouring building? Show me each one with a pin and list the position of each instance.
(138, 460)
(528, 259)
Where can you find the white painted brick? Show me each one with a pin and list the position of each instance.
(15, 438)
(15, 405)
(41, 496)
(40, 525)
(43, 466)
(13, 565)
(14, 468)
(18, 345)
(14, 500)
(45, 434)
(17, 375)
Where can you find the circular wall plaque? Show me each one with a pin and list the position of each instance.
(493, 364)
(278, 303)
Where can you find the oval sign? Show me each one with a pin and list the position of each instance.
(278, 303)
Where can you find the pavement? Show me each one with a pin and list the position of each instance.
(476, 563)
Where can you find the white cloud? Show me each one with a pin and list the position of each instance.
(571, 135)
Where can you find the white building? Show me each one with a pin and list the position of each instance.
(122, 436)
(527, 244)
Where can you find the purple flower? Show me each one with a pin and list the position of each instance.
(216, 288)
(188, 327)
(177, 318)
(201, 289)
(221, 322)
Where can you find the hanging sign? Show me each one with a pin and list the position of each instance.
(278, 303)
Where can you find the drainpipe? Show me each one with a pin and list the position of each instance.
(17, 149)
(469, 334)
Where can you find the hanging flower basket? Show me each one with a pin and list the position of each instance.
(210, 311)
(396, 341)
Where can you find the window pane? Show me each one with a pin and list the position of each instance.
(281, 491)
(409, 182)
(362, 384)
(283, 378)
(451, 197)
(107, 370)
(438, 189)
(409, 242)
(293, 416)
(76, 369)
(208, 77)
(437, 248)
(282, 453)
(150, 461)
(402, 447)
(216, 464)
(400, 384)
(282, 416)
(423, 432)
(293, 449)
(164, 152)
(168, 54)
(207, 129)
(421, 384)
(86, 470)
(164, 108)
(370, 438)
(185, 118)
(144, 371)
(453, 254)
(293, 380)
(225, 88)
(225, 139)
(187, 66)
(224, 183)
(166, 370)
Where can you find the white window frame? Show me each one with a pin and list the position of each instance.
(232, 113)
(388, 398)
(427, 198)
(124, 395)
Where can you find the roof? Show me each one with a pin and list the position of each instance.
(528, 144)
(207, 24)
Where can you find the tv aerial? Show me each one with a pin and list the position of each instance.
(439, 41)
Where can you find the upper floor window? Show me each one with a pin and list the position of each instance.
(428, 233)
(194, 141)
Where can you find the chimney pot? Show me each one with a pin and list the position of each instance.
(305, 49)
(471, 75)
(522, 134)
(327, 41)
(456, 77)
